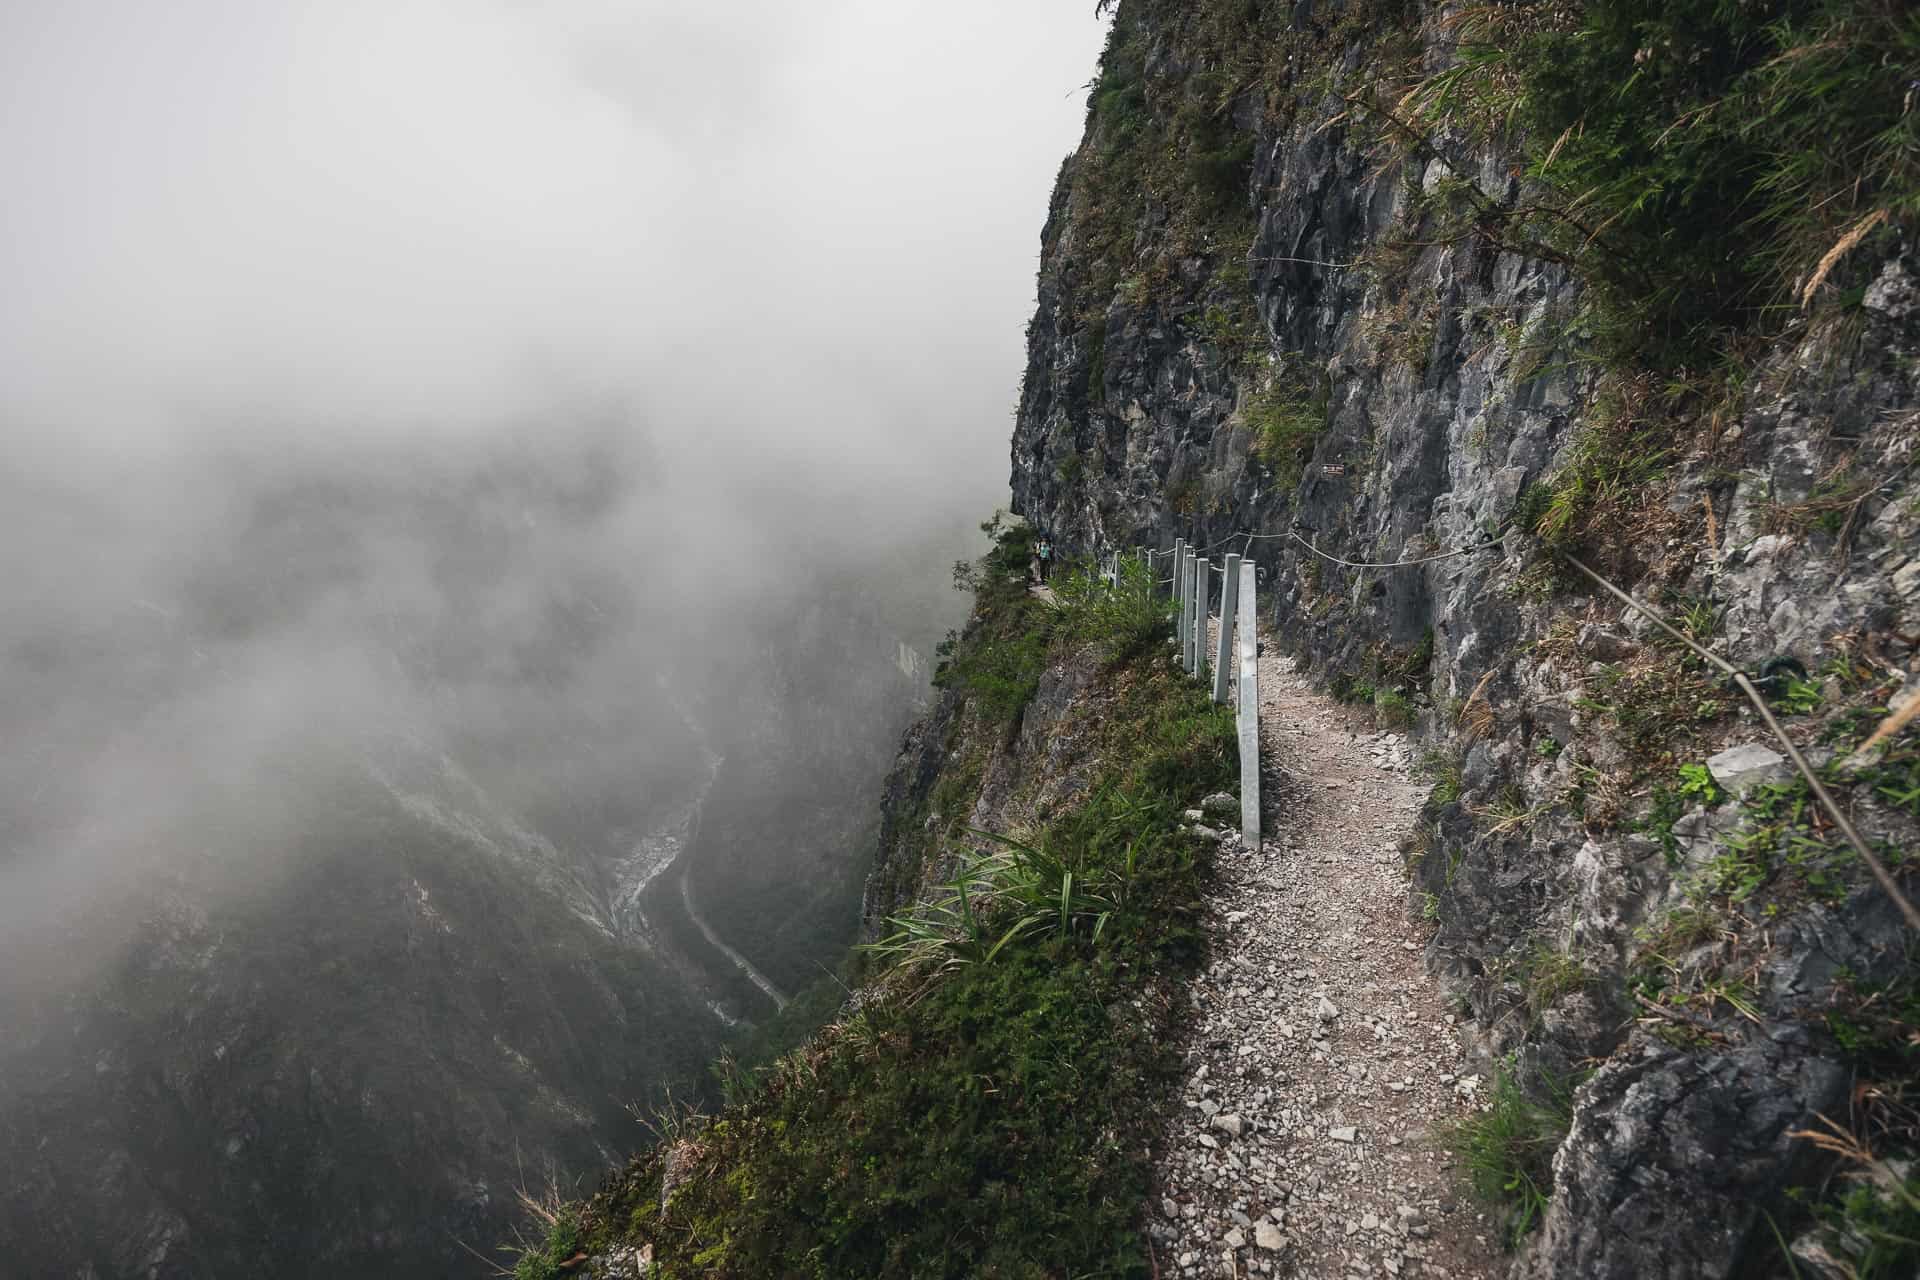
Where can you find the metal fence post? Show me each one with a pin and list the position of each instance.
(1203, 592)
(1186, 613)
(1223, 649)
(1196, 613)
(1180, 591)
(1249, 713)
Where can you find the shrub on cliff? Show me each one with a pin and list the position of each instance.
(997, 659)
(1125, 620)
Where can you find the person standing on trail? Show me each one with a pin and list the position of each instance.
(1043, 550)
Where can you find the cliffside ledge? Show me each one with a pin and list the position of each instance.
(1417, 305)
(1482, 288)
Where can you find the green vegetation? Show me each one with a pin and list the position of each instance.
(1546, 973)
(1876, 1223)
(1779, 835)
(1444, 768)
(1875, 1023)
(1659, 703)
(1797, 697)
(1664, 942)
(1388, 681)
(1787, 849)
(1392, 709)
(998, 659)
(1285, 421)
(548, 1260)
(1870, 1204)
(1077, 878)
(1785, 854)
(1509, 1149)
(1708, 165)
(1166, 173)
(987, 1110)
(1597, 505)
(1709, 169)
(1347, 688)
(1125, 621)
(1693, 785)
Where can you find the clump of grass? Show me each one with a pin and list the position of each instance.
(548, 1260)
(1285, 419)
(1123, 621)
(1600, 502)
(1392, 709)
(1025, 887)
(1346, 687)
(1509, 814)
(1508, 1147)
(1548, 974)
(1876, 1223)
(1444, 768)
(1871, 1216)
(1663, 944)
(1660, 703)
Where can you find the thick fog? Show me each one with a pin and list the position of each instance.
(465, 373)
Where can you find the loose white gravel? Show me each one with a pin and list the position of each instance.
(1322, 1066)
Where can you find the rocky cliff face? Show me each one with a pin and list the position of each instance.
(1275, 300)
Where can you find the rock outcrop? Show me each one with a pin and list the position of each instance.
(1322, 356)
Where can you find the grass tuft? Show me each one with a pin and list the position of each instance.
(1509, 1146)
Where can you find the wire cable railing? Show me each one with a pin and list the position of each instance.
(1192, 580)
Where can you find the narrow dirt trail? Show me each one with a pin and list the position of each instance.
(1323, 1066)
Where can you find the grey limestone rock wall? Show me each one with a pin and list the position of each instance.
(1449, 378)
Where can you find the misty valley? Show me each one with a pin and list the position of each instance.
(391, 830)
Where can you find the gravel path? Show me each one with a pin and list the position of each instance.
(1322, 1064)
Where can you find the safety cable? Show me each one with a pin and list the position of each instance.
(1350, 564)
(1746, 686)
(1739, 678)
(1392, 564)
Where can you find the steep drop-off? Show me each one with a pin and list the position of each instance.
(357, 855)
